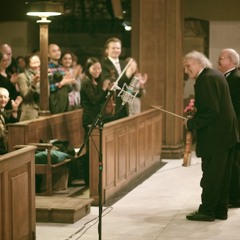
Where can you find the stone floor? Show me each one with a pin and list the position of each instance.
(154, 210)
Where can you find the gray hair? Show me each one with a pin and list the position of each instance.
(200, 58)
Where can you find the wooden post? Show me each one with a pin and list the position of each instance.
(44, 92)
(156, 43)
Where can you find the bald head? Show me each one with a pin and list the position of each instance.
(54, 53)
(228, 59)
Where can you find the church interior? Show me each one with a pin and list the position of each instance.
(137, 185)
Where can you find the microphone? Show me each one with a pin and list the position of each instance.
(129, 93)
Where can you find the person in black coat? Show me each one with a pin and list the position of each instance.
(93, 92)
(93, 95)
(112, 67)
(217, 133)
(228, 62)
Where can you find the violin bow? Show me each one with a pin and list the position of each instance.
(188, 144)
(163, 110)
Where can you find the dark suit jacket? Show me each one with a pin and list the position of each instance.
(110, 72)
(233, 80)
(215, 120)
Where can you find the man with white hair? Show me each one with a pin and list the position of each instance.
(6, 117)
(217, 134)
(228, 63)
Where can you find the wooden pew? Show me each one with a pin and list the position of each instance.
(47, 169)
(131, 149)
(67, 126)
(17, 197)
(64, 126)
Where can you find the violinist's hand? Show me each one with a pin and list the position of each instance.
(185, 123)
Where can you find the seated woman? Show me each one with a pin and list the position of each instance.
(10, 116)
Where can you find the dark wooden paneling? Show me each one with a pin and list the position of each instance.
(17, 200)
(131, 147)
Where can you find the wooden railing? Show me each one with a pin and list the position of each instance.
(131, 147)
(17, 195)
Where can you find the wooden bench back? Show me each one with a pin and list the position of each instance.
(17, 198)
(64, 126)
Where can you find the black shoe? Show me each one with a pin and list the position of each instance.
(221, 216)
(197, 216)
(234, 205)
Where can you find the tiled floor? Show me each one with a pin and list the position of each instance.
(154, 210)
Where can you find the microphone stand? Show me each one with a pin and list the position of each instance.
(100, 123)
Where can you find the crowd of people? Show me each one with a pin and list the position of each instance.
(97, 87)
(71, 85)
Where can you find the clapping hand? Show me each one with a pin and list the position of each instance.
(16, 103)
(142, 78)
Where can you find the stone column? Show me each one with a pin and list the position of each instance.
(156, 43)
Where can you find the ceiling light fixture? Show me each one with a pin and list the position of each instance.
(44, 9)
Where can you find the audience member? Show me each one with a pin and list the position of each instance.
(21, 61)
(228, 63)
(29, 86)
(74, 94)
(6, 117)
(215, 141)
(78, 71)
(93, 92)
(13, 67)
(112, 67)
(6, 80)
(93, 95)
(135, 106)
(59, 83)
(77, 67)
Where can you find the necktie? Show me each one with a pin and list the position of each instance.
(118, 67)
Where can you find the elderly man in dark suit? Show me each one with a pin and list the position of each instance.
(228, 63)
(217, 134)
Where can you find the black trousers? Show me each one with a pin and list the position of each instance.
(234, 194)
(215, 183)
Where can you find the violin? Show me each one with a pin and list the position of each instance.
(188, 150)
(110, 107)
(111, 104)
(190, 110)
